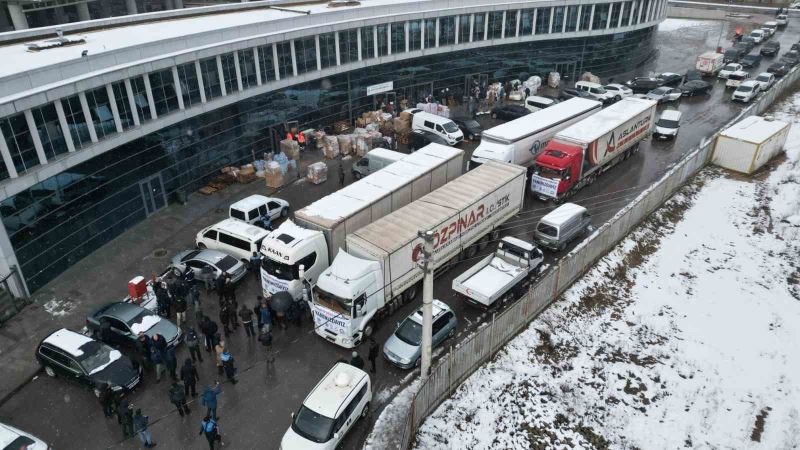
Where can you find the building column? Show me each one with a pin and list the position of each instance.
(275, 62)
(374, 41)
(422, 34)
(130, 5)
(552, 10)
(132, 102)
(564, 25)
(610, 11)
(630, 15)
(18, 18)
(200, 84)
(503, 25)
(87, 115)
(150, 100)
(358, 42)
(458, 28)
(471, 26)
(318, 53)
(37, 141)
(406, 29)
(338, 54)
(437, 32)
(519, 19)
(176, 80)
(591, 18)
(12, 170)
(533, 23)
(621, 13)
(388, 38)
(114, 110)
(221, 76)
(62, 120)
(486, 26)
(578, 19)
(237, 68)
(259, 81)
(83, 12)
(178, 4)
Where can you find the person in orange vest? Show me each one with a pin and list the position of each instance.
(301, 139)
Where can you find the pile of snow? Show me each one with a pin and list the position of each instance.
(147, 322)
(784, 182)
(387, 429)
(672, 24)
(113, 355)
(685, 335)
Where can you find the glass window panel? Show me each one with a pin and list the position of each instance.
(600, 16)
(164, 96)
(615, 8)
(50, 132)
(463, 28)
(284, 59)
(140, 99)
(348, 46)
(479, 27)
(305, 54)
(526, 22)
(327, 49)
(635, 9)
(19, 142)
(100, 110)
(586, 15)
(383, 40)
(430, 33)
(247, 67)
(367, 43)
(511, 23)
(190, 87)
(414, 35)
(77, 121)
(447, 30)
(495, 25)
(229, 73)
(266, 64)
(572, 19)
(398, 37)
(123, 104)
(645, 7)
(543, 20)
(211, 81)
(626, 13)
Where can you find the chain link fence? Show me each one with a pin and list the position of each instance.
(453, 368)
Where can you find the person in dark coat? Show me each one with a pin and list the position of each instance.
(106, 398)
(225, 317)
(257, 311)
(196, 304)
(140, 423)
(157, 356)
(162, 298)
(189, 377)
(171, 361)
(219, 285)
(246, 314)
(180, 310)
(143, 345)
(193, 344)
(228, 366)
(255, 263)
(209, 328)
(125, 418)
(357, 361)
(373, 354)
(177, 396)
(341, 175)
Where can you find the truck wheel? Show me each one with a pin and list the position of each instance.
(410, 293)
(357, 175)
(285, 212)
(483, 242)
(369, 328)
(49, 371)
(365, 411)
(470, 251)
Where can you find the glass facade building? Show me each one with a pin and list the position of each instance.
(58, 221)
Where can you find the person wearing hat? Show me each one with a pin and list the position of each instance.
(357, 361)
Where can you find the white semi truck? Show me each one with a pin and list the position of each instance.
(379, 271)
(319, 229)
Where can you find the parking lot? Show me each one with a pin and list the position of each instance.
(256, 411)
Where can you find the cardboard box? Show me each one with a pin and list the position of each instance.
(317, 173)
(291, 148)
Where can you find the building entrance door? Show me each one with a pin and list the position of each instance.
(480, 80)
(153, 194)
(566, 70)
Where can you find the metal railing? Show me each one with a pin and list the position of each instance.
(453, 368)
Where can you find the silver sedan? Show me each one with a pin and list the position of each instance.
(219, 262)
(664, 94)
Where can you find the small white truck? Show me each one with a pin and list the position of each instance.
(502, 275)
(709, 63)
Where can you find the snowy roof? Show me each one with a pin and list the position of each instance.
(561, 214)
(754, 129)
(437, 307)
(545, 118)
(248, 203)
(240, 228)
(113, 355)
(603, 122)
(147, 322)
(69, 341)
(330, 393)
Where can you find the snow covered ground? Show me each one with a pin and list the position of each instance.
(670, 24)
(686, 335)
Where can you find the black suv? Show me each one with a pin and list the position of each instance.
(791, 58)
(779, 69)
(88, 362)
(771, 48)
(751, 60)
(643, 85)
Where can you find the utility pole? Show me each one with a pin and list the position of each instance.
(427, 302)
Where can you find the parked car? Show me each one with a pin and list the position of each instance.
(733, 54)
(536, 103)
(696, 87)
(664, 94)
(692, 75)
(469, 126)
(772, 26)
(667, 125)
(596, 91)
(125, 321)
(770, 48)
(509, 112)
(750, 60)
(404, 346)
(568, 93)
(759, 35)
(746, 91)
(421, 138)
(88, 362)
(792, 57)
(779, 69)
(782, 20)
(766, 80)
(671, 79)
(729, 69)
(643, 85)
(747, 43)
(561, 226)
(251, 209)
(620, 91)
(15, 439)
(195, 260)
(736, 78)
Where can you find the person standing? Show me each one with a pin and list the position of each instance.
(157, 358)
(162, 298)
(143, 345)
(189, 377)
(265, 317)
(228, 366)
(171, 361)
(106, 398)
(210, 429)
(177, 395)
(265, 337)
(373, 354)
(209, 328)
(255, 262)
(225, 317)
(207, 278)
(341, 174)
(356, 361)
(219, 285)
(218, 349)
(180, 308)
(230, 289)
(194, 299)
(257, 311)
(140, 423)
(209, 399)
(193, 344)
(125, 418)
(246, 314)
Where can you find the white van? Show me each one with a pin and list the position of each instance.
(441, 126)
(249, 209)
(234, 237)
(520, 140)
(375, 160)
(758, 35)
(535, 103)
(330, 410)
(561, 226)
(596, 90)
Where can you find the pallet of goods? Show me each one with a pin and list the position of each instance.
(317, 173)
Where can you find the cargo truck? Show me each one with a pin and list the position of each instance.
(318, 230)
(578, 154)
(379, 271)
(521, 140)
(709, 63)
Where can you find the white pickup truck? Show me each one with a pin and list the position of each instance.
(504, 274)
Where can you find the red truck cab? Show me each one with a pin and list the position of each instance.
(560, 160)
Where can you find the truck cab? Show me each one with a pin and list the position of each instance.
(283, 251)
(557, 169)
(346, 298)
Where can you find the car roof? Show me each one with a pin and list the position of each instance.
(211, 256)
(438, 308)
(750, 83)
(68, 340)
(336, 386)
(671, 114)
(563, 213)
(527, 246)
(243, 229)
(253, 201)
(589, 83)
(766, 74)
(122, 311)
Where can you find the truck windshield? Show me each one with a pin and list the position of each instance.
(282, 271)
(312, 426)
(549, 173)
(340, 305)
(549, 230)
(664, 123)
(736, 77)
(409, 332)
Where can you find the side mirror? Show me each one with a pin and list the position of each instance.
(292, 414)
(336, 435)
(568, 177)
(397, 325)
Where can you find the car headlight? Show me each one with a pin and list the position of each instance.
(116, 388)
(347, 341)
(404, 360)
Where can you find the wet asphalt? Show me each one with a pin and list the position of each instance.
(256, 412)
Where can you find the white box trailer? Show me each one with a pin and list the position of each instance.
(519, 141)
(379, 271)
(749, 144)
(709, 63)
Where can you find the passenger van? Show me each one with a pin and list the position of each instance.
(561, 226)
(535, 103)
(249, 209)
(375, 160)
(330, 410)
(596, 90)
(441, 126)
(233, 237)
